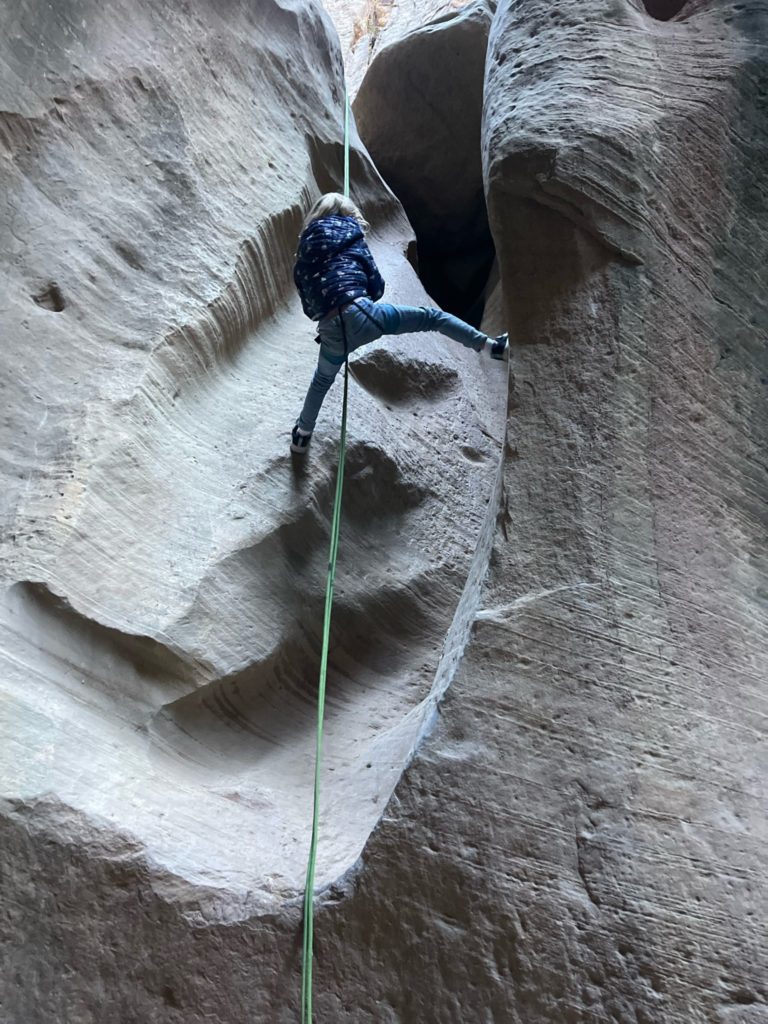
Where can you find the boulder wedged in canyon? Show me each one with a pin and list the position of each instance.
(419, 111)
(581, 835)
(366, 27)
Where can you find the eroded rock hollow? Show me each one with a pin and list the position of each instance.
(544, 777)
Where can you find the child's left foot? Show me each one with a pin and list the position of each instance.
(500, 347)
(300, 439)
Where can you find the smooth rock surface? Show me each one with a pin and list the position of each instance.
(631, 596)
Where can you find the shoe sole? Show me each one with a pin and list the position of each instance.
(502, 353)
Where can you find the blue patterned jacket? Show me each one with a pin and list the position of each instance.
(334, 265)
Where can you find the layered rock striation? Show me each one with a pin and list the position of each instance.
(163, 559)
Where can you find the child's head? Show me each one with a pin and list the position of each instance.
(335, 204)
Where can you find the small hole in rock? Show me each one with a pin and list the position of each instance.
(412, 254)
(50, 298)
(170, 998)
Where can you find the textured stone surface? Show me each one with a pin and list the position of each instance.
(634, 593)
(164, 559)
(581, 837)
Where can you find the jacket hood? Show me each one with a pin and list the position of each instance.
(327, 236)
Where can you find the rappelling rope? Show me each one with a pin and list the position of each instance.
(306, 961)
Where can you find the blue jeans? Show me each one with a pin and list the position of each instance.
(367, 321)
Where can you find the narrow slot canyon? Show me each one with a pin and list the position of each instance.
(541, 795)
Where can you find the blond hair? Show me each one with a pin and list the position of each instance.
(335, 204)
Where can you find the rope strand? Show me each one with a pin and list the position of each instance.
(306, 963)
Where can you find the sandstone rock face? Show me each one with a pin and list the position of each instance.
(627, 192)
(366, 27)
(580, 836)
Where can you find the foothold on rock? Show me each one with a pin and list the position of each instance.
(50, 297)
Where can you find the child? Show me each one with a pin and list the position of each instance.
(340, 286)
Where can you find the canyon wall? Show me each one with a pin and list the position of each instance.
(577, 833)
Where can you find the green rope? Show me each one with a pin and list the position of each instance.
(306, 962)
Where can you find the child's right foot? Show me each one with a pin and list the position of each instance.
(300, 439)
(500, 347)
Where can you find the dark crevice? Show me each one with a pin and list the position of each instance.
(664, 10)
(456, 277)
(50, 297)
(454, 258)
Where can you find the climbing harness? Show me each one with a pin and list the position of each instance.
(306, 961)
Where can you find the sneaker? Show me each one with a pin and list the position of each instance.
(300, 439)
(500, 347)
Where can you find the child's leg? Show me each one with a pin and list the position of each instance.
(325, 374)
(410, 319)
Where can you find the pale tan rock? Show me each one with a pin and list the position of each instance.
(627, 197)
(164, 559)
(582, 835)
